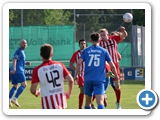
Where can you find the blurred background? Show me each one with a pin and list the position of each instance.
(63, 28)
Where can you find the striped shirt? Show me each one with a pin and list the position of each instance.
(111, 46)
(74, 59)
(50, 75)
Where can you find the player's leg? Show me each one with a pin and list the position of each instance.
(13, 89)
(92, 105)
(106, 84)
(81, 94)
(81, 97)
(21, 79)
(88, 90)
(117, 88)
(99, 93)
(112, 83)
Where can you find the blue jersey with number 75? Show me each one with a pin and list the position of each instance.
(95, 58)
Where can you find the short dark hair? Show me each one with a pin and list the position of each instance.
(46, 50)
(81, 40)
(95, 36)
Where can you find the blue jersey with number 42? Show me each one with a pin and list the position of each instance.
(95, 58)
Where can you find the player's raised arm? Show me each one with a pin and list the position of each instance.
(124, 33)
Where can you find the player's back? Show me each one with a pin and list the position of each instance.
(51, 78)
(95, 57)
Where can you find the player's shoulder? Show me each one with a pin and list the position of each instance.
(58, 63)
(48, 63)
(114, 37)
(102, 49)
(76, 52)
(18, 49)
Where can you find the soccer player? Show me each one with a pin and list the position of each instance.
(17, 73)
(50, 75)
(110, 43)
(94, 58)
(74, 59)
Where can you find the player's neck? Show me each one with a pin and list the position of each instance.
(45, 60)
(94, 43)
(80, 50)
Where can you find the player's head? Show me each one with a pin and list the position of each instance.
(46, 51)
(23, 44)
(104, 34)
(95, 37)
(82, 44)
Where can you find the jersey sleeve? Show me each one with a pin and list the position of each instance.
(73, 58)
(65, 71)
(35, 78)
(17, 54)
(117, 38)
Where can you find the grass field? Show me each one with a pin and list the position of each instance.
(130, 90)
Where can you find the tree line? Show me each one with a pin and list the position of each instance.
(86, 20)
(66, 16)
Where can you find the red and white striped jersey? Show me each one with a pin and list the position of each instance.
(74, 59)
(50, 75)
(111, 46)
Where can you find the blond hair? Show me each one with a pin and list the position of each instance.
(103, 30)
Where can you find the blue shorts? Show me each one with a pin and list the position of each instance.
(93, 86)
(18, 78)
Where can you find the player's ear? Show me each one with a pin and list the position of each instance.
(51, 55)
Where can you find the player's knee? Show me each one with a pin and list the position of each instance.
(24, 85)
(117, 87)
(15, 86)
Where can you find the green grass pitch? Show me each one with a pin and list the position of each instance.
(129, 89)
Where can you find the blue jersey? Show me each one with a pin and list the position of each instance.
(20, 56)
(94, 58)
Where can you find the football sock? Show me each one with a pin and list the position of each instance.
(118, 95)
(100, 106)
(19, 91)
(87, 107)
(81, 96)
(11, 92)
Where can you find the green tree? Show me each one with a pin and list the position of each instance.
(39, 17)
(139, 17)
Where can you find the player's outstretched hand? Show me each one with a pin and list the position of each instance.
(122, 28)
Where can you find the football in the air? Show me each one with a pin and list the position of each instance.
(127, 17)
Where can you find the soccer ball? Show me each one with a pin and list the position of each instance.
(127, 17)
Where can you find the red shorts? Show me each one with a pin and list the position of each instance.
(80, 81)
